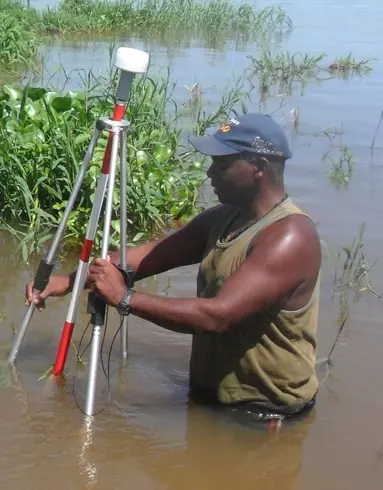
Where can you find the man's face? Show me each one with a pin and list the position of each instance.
(234, 180)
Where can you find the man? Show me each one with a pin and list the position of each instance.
(255, 318)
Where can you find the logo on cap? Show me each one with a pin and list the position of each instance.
(225, 128)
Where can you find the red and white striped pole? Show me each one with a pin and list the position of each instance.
(130, 62)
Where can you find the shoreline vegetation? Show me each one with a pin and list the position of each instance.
(215, 21)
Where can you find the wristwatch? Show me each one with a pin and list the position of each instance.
(123, 308)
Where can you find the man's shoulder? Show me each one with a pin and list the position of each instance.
(296, 228)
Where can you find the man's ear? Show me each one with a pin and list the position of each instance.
(260, 166)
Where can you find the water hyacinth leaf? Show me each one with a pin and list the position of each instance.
(49, 96)
(62, 104)
(138, 236)
(3, 95)
(14, 93)
(77, 95)
(12, 126)
(81, 138)
(28, 137)
(162, 153)
(116, 225)
(36, 93)
(32, 110)
(40, 135)
(142, 157)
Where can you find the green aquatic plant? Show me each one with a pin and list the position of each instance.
(342, 169)
(351, 279)
(283, 71)
(351, 274)
(43, 138)
(44, 135)
(346, 66)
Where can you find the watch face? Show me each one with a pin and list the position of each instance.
(123, 307)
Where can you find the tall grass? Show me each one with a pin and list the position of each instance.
(174, 19)
(214, 16)
(19, 41)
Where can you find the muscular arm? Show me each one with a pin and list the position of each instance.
(183, 247)
(281, 269)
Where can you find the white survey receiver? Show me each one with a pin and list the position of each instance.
(132, 60)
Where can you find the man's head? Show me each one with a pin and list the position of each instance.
(248, 154)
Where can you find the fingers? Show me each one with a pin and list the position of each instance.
(29, 293)
(101, 262)
(39, 301)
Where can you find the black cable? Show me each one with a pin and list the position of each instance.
(109, 357)
(102, 343)
(79, 345)
(106, 371)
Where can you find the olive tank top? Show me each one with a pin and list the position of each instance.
(270, 358)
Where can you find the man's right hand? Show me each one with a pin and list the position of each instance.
(57, 286)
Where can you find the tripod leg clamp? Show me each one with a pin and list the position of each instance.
(43, 274)
(96, 307)
(127, 273)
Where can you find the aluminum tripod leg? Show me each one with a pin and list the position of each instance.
(46, 266)
(98, 314)
(114, 127)
(123, 234)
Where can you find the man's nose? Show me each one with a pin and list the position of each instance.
(211, 170)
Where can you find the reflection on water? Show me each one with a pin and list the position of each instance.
(149, 437)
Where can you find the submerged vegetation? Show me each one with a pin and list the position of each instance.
(283, 71)
(342, 169)
(347, 65)
(351, 279)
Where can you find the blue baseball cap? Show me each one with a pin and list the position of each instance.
(253, 133)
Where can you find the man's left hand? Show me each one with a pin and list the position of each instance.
(106, 281)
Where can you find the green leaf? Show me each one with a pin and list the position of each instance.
(162, 153)
(138, 237)
(116, 225)
(14, 93)
(142, 157)
(36, 93)
(61, 104)
(81, 138)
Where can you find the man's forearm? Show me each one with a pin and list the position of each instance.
(178, 315)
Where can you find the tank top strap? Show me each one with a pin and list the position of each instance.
(286, 208)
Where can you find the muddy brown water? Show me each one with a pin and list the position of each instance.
(148, 437)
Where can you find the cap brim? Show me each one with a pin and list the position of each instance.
(209, 145)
